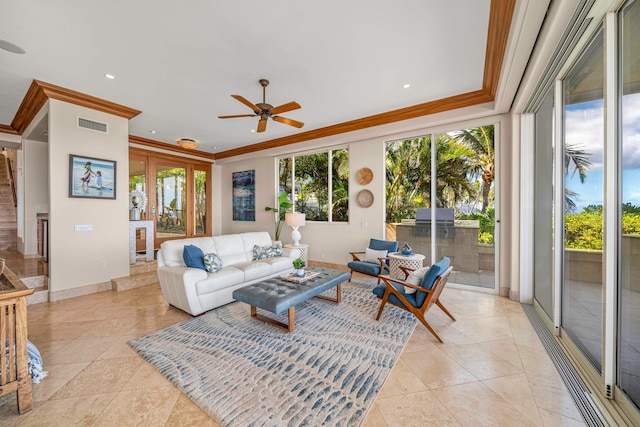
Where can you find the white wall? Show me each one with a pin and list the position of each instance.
(35, 157)
(86, 258)
(331, 243)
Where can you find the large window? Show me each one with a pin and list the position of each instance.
(318, 184)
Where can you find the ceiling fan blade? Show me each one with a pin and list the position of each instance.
(246, 102)
(237, 115)
(262, 125)
(289, 106)
(287, 121)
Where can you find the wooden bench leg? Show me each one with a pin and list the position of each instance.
(292, 319)
(338, 297)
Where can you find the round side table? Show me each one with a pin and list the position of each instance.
(304, 251)
(396, 260)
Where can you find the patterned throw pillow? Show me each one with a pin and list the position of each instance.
(261, 252)
(415, 278)
(212, 262)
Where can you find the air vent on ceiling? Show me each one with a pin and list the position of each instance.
(92, 125)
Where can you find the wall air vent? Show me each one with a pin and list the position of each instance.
(92, 125)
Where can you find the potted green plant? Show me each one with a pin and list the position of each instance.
(299, 264)
(283, 206)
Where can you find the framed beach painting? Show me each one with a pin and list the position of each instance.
(244, 195)
(92, 178)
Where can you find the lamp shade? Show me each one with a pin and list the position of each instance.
(294, 219)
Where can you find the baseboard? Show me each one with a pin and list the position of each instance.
(328, 265)
(78, 292)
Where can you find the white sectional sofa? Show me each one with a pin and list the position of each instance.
(195, 291)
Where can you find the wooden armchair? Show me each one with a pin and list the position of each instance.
(361, 265)
(392, 290)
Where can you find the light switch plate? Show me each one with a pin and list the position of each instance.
(83, 228)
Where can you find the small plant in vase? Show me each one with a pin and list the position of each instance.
(299, 264)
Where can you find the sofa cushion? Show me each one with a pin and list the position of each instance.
(262, 252)
(254, 270)
(279, 263)
(193, 257)
(230, 248)
(227, 276)
(212, 262)
(172, 249)
(365, 267)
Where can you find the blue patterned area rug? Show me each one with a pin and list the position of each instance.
(243, 372)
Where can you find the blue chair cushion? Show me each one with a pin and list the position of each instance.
(193, 257)
(365, 267)
(411, 298)
(430, 278)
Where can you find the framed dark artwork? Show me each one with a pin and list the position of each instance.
(244, 195)
(92, 178)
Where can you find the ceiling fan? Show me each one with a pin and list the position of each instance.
(264, 110)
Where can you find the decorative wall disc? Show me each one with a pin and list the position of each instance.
(364, 176)
(365, 198)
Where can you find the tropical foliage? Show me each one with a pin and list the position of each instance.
(314, 183)
(465, 163)
(584, 230)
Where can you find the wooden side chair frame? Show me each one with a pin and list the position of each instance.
(433, 296)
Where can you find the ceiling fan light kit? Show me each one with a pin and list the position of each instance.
(187, 143)
(264, 110)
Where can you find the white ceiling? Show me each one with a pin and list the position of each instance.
(179, 62)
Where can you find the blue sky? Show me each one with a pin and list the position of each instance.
(584, 129)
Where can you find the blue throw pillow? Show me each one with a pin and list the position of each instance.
(193, 257)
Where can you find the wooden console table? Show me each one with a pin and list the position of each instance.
(14, 374)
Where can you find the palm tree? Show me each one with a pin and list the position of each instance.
(480, 141)
(581, 164)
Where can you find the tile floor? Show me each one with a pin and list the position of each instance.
(492, 370)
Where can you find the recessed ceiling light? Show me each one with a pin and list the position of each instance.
(110, 76)
(10, 47)
(406, 86)
(253, 130)
(152, 131)
(214, 148)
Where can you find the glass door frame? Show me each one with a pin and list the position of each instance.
(152, 158)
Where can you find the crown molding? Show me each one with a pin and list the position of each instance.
(164, 146)
(500, 18)
(39, 92)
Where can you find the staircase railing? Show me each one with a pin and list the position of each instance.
(13, 183)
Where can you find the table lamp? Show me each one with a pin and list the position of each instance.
(295, 220)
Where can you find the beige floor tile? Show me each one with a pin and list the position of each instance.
(485, 362)
(146, 377)
(60, 331)
(9, 415)
(537, 362)
(484, 329)
(415, 409)
(474, 404)
(146, 407)
(120, 348)
(553, 396)
(401, 381)
(552, 419)
(187, 413)
(81, 350)
(101, 376)
(57, 377)
(74, 411)
(436, 369)
(109, 328)
(516, 392)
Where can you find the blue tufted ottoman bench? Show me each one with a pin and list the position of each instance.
(276, 295)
